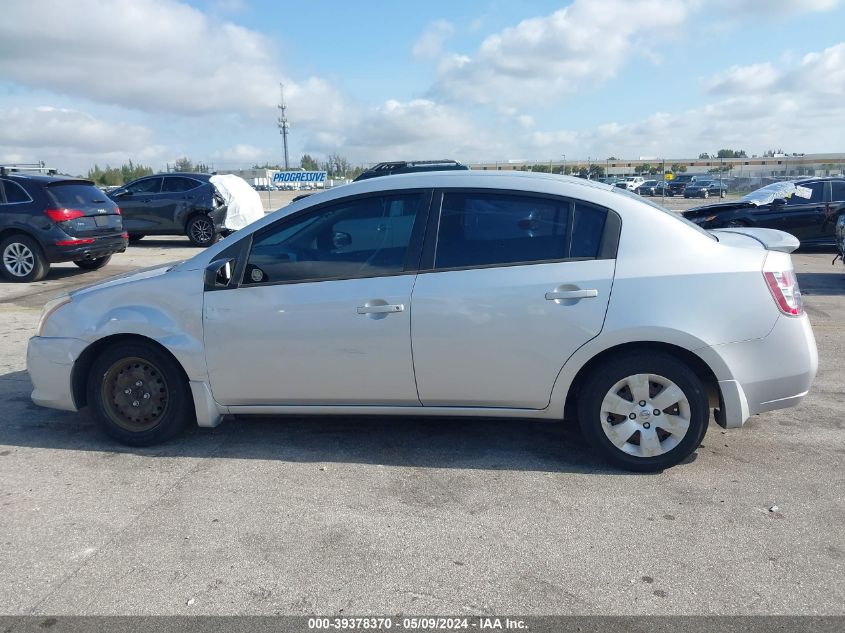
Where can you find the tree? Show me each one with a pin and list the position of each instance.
(185, 164)
(115, 176)
(731, 153)
(703, 156)
(678, 168)
(308, 163)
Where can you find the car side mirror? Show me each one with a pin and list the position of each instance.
(341, 239)
(778, 202)
(122, 193)
(219, 274)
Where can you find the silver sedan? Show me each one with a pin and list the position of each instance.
(449, 294)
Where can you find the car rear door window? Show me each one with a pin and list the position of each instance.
(148, 185)
(484, 229)
(14, 193)
(363, 237)
(178, 184)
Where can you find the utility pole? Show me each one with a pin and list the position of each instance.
(282, 123)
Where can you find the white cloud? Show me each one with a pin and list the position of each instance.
(543, 58)
(430, 43)
(62, 128)
(751, 78)
(771, 8)
(150, 55)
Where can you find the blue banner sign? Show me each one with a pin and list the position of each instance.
(299, 176)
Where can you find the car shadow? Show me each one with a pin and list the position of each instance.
(823, 284)
(174, 242)
(412, 441)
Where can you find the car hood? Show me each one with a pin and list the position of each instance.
(718, 207)
(125, 278)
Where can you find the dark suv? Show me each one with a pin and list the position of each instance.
(50, 219)
(407, 167)
(172, 204)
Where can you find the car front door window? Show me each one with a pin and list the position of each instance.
(148, 185)
(363, 237)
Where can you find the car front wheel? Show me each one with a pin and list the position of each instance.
(644, 412)
(138, 394)
(22, 259)
(93, 264)
(201, 231)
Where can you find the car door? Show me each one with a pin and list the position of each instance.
(322, 313)
(513, 286)
(802, 215)
(138, 202)
(179, 196)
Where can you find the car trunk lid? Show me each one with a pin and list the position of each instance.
(82, 210)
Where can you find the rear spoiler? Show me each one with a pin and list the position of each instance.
(771, 239)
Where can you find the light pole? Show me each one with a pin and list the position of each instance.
(563, 169)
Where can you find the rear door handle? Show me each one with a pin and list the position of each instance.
(382, 309)
(572, 294)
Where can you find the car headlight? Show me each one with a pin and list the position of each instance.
(48, 311)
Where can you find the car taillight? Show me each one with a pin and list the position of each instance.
(125, 236)
(785, 292)
(76, 241)
(63, 215)
(117, 210)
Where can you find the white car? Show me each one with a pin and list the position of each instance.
(632, 182)
(453, 293)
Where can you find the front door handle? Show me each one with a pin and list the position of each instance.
(389, 308)
(557, 295)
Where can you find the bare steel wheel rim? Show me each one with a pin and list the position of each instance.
(645, 415)
(135, 394)
(18, 259)
(201, 230)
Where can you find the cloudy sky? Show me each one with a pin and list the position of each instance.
(108, 80)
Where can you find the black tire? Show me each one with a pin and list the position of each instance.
(200, 230)
(600, 384)
(706, 194)
(135, 237)
(93, 264)
(163, 399)
(22, 260)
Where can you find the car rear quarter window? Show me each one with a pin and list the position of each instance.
(484, 229)
(14, 193)
(587, 230)
(362, 237)
(75, 194)
(837, 190)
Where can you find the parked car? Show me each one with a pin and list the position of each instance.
(705, 189)
(632, 182)
(679, 182)
(840, 239)
(651, 188)
(172, 204)
(532, 297)
(808, 209)
(49, 219)
(409, 167)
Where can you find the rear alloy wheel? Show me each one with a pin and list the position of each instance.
(22, 259)
(93, 264)
(201, 231)
(644, 412)
(138, 394)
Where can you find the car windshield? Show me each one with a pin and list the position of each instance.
(677, 216)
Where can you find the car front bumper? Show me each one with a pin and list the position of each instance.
(49, 362)
(773, 372)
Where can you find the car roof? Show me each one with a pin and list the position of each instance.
(45, 179)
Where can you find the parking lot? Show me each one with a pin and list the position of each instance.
(338, 515)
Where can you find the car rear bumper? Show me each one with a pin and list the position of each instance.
(774, 372)
(100, 247)
(49, 362)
